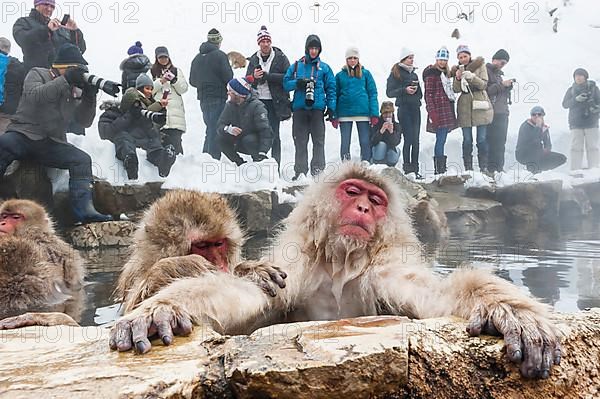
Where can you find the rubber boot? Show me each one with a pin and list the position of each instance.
(439, 164)
(80, 192)
(131, 166)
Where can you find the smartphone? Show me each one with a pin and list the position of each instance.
(414, 83)
(65, 19)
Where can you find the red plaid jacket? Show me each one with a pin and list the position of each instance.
(440, 110)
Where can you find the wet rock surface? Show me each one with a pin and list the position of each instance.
(97, 235)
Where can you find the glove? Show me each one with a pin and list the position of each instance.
(583, 97)
(301, 83)
(160, 118)
(335, 123)
(594, 109)
(260, 157)
(90, 91)
(329, 117)
(468, 75)
(374, 120)
(74, 76)
(111, 88)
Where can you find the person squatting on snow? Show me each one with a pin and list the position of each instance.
(267, 67)
(244, 127)
(474, 108)
(439, 102)
(12, 75)
(314, 89)
(582, 100)
(170, 84)
(133, 124)
(356, 94)
(498, 90)
(134, 65)
(385, 137)
(534, 148)
(38, 129)
(403, 84)
(209, 74)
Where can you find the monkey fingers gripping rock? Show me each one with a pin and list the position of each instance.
(264, 274)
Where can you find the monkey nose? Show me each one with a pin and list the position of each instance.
(362, 208)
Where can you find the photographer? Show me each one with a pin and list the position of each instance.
(132, 124)
(385, 137)
(243, 127)
(314, 89)
(583, 102)
(38, 130)
(498, 90)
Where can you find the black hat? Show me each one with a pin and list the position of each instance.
(161, 51)
(313, 41)
(501, 55)
(582, 72)
(67, 55)
(214, 36)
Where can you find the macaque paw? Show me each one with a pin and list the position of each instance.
(530, 338)
(11, 323)
(265, 274)
(37, 319)
(157, 318)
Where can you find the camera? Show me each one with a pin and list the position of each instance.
(106, 86)
(309, 99)
(414, 83)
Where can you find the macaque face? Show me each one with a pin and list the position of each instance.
(9, 222)
(213, 250)
(265, 46)
(464, 58)
(363, 206)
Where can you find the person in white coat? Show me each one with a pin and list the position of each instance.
(170, 83)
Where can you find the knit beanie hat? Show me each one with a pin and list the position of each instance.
(4, 45)
(40, 2)
(135, 49)
(352, 52)
(161, 51)
(537, 110)
(68, 55)
(501, 55)
(405, 52)
(143, 80)
(239, 86)
(463, 48)
(386, 106)
(582, 72)
(263, 34)
(442, 54)
(214, 36)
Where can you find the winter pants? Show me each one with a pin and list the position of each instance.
(274, 122)
(231, 145)
(547, 161)
(410, 121)
(125, 144)
(15, 146)
(467, 145)
(588, 139)
(4, 122)
(363, 139)
(496, 138)
(305, 124)
(172, 137)
(211, 114)
(440, 141)
(382, 153)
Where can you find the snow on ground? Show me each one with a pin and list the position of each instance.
(541, 61)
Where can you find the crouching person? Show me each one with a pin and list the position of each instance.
(386, 136)
(244, 127)
(133, 124)
(51, 98)
(534, 148)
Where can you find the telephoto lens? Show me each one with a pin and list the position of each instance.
(107, 86)
(310, 93)
(159, 118)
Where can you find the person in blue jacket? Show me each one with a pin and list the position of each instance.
(313, 84)
(356, 102)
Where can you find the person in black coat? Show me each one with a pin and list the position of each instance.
(39, 35)
(134, 65)
(385, 137)
(268, 66)
(403, 84)
(12, 75)
(243, 127)
(209, 74)
(534, 147)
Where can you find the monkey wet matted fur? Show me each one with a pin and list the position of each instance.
(354, 257)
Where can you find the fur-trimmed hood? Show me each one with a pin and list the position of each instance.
(472, 66)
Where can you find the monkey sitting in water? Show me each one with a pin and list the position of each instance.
(38, 270)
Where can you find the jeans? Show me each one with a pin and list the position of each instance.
(232, 146)
(363, 138)
(211, 114)
(274, 122)
(496, 138)
(467, 146)
(410, 121)
(440, 141)
(382, 153)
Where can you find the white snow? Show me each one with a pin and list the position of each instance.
(542, 62)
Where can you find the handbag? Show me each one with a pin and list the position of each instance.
(478, 105)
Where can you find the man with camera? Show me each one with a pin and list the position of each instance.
(244, 124)
(583, 102)
(51, 98)
(12, 74)
(314, 89)
(498, 90)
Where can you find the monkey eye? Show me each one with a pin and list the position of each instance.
(15, 216)
(376, 200)
(219, 243)
(352, 190)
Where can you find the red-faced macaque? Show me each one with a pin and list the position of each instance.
(38, 270)
(349, 250)
(185, 234)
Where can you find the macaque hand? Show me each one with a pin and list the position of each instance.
(264, 274)
(37, 319)
(530, 338)
(152, 317)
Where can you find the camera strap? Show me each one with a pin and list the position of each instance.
(303, 59)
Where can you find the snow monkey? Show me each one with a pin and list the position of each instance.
(348, 250)
(38, 270)
(185, 234)
(236, 60)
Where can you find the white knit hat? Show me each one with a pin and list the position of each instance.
(352, 52)
(405, 52)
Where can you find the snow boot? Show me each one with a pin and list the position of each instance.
(80, 193)
(468, 162)
(167, 159)
(131, 166)
(439, 164)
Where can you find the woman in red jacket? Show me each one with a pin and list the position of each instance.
(439, 102)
